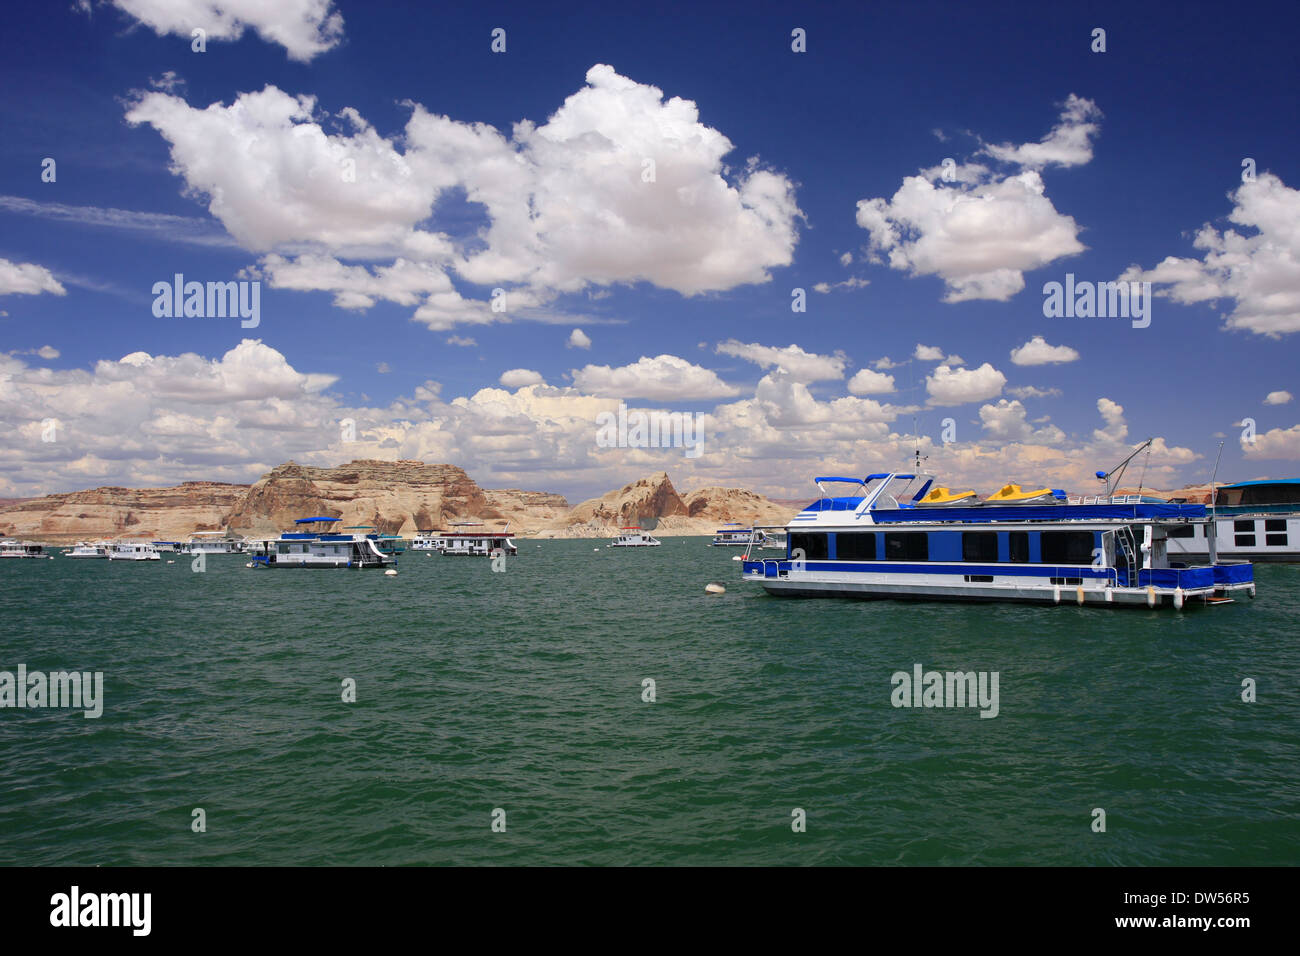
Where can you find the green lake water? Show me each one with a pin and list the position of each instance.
(523, 691)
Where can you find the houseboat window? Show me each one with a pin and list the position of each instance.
(1247, 526)
(813, 545)
(979, 578)
(1183, 531)
(979, 546)
(1276, 532)
(855, 547)
(1018, 547)
(1067, 547)
(907, 546)
(1243, 540)
(1275, 540)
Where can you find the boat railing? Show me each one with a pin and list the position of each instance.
(1105, 500)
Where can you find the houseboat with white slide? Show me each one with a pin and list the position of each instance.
(314, 545)
(1250, 520)
(633, 538)
(881, 542)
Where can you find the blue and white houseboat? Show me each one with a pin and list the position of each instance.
(319, 547)
(879, 542)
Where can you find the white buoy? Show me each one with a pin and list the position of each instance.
(1110, 596)
(248, 564)
(1178, 597)
(1151, 596)
(714, 589)
(390, 573)
(171, 562)
(736, 557)
(1056, 593)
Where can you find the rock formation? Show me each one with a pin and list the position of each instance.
(395, 497)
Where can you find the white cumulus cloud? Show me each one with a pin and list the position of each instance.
(957, 386)
(662, 378)
(1037, 352)
(1258, 273)
(27, 278)
(304, 28)
(977, 229)
(802, 365)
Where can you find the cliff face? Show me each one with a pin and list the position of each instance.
(653, 503)
(652, 497)
(155, 513)
(396, 497)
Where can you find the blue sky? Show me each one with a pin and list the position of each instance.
(1066, 160)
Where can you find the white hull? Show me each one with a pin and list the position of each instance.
(1023, 590)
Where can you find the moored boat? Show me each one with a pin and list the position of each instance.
(318, 547)
(10, 548)
(633, 538)
(878, 543)
(735, 535)
(212, 542)
(88, 549)
(1251, 520)
(477, 543)
(128, 550)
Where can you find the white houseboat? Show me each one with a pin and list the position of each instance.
(318, 547)
(88, 549)
(734, 535)
(879, 543)
(212, 542)
(1251, 520)
(633, 538)
(133, 551)
(9, 548)
(477, 543)
(427, 541)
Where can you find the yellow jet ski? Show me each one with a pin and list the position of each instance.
(1013, 495)
(942, 497)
